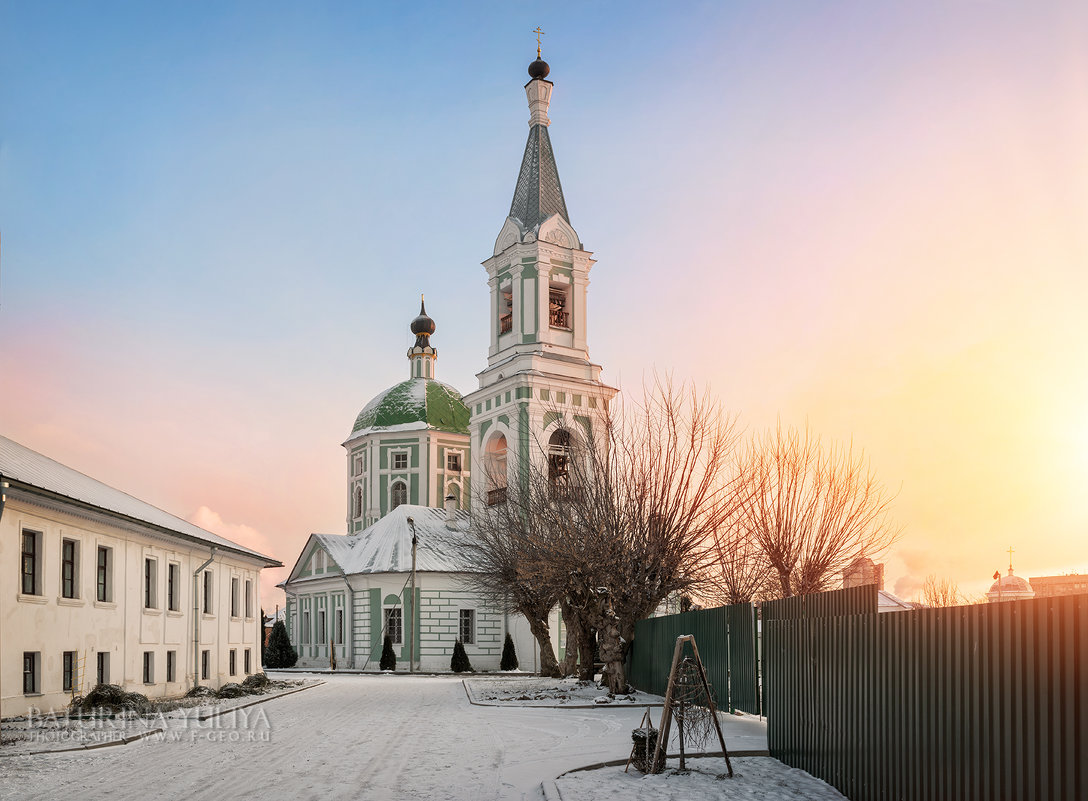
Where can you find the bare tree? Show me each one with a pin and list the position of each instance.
(811, 510)
(501, 558)
(631, 509)
(940, 592)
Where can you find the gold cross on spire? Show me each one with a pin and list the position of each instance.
(538, 33)
(1010, 559)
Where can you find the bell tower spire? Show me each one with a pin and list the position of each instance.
(539, 383)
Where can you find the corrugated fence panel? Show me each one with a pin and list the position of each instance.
(981, 702)
(726, 636)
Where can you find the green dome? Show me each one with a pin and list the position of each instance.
(417, 403)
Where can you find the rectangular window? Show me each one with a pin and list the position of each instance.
(173, 586)
(205, 664)
(249, 664)
(31, 663)
(249, 598)
(321, 627)
(150, 590)
(394, 625)
(506, 311)
(400, 461)
(103, 676)
(339, 634)
(70, 667)
(234, 597)
(149, 667)
(104, 574)
(233, 661)
(171, 666)
(467, 627)
(207, 592)
(31, 565)
(305, 628)
(69, 568)
(453, 462)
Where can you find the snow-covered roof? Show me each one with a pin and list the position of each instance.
(386, 546)
(20, 465)
(886, 602)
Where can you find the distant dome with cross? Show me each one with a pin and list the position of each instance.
(1009, 587)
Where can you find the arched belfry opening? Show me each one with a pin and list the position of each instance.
(559, 455)
(495, 467)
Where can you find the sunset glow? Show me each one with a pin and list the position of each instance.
(869, 217)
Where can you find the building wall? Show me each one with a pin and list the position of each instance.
(441, 597)
(48, 624)
(1051, 586)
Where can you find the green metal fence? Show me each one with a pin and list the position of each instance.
(727, 641)
(977, 703)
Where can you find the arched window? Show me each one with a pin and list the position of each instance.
(495, 466)
(358, 501)
(559, 459)
(398, 494)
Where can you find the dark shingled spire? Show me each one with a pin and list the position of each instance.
(538, 194)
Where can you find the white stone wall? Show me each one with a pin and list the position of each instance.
(48, 624)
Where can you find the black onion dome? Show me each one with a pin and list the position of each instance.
(423, 326)
(539, 69)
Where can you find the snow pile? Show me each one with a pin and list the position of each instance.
(551, 692)
(754, 779)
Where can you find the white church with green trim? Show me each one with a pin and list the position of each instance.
(414, 449)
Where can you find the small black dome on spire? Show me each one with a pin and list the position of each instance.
(422, 325)
(539, 69)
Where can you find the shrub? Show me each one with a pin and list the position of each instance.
(389, 659)
(258, 682)
(105, 695)
(231, 690)
(200, 691)
(509, 659)
(459, 662)
(280, 653)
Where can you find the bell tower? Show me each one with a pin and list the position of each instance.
(539, 383)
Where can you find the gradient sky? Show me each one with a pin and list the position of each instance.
(217, 218)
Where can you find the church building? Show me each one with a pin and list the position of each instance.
(415, 449)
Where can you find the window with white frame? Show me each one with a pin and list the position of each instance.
(466, 628)
(234, 661)
(400, 460)
(103, 674)
(394, 624)
(171, 666)
(151, 570)
(205, 664)
(338, 634)
(321, 639)
(104, 575)
(234, 591)
(453, 462)
(70, 671)
(149, 667)
(69, 568)
(208, 587)
(31, 568)
(32, 663)
(173, 586)
(249, 598)
(248, 662)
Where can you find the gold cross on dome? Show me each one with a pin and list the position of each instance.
(538, 33)
(1010, 558)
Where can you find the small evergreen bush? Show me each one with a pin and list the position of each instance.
(231, 690)
(257, 683)
(509, 659)
(389, 659)
(459, 662)
(280, 653)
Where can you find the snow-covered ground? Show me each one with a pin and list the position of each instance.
(754, 779)
(358, 737)
(536, 691)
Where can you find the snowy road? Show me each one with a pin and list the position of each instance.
(357, 737)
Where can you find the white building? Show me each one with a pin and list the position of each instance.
(346, 592)
(99, 587)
